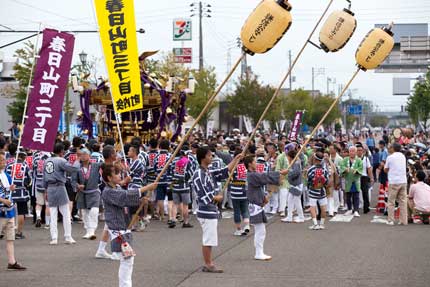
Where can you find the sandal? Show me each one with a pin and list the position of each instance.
(211, 269)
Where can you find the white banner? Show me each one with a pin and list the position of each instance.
(248, 124)
(282, 123)
(266, 125)
(209, 128)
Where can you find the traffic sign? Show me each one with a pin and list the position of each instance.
(355, 110)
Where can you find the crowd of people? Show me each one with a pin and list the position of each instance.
(89, 181)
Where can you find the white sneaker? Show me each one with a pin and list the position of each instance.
(356, 214)
(116, 256)
(344, 208)
(69, 241)
(263, 257)
(103, 254)
(282, 214)
(272, 212)
(321, 227)
(314, 227)
(286, 220)
(299, 220)
(247, 228)
(237, 233)
(390, 223)
(53, 242)
(86, 236)
(349, 212)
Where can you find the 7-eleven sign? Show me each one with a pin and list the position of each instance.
(182, 30)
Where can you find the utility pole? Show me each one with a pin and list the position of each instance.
(320, 71)
(203, 11)
(289, 68)
(244, 63)
(200, 37)
(313, 81)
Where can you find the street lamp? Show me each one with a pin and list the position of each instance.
(83, 58)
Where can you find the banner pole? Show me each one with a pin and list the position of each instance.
(36, 43)
(276, 94)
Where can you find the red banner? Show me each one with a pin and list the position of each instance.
(295, 127)
(49, 85)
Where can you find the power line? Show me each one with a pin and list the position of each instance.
(47, 11)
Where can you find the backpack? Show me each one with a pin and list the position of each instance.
(319, 180)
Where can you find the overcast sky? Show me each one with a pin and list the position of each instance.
(220, 32)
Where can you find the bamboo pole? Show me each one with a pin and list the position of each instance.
(24, 116)
(263, 115)
(181, 143)
(324, 117)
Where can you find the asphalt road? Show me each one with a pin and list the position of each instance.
(358, 253)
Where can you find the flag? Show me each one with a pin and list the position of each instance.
(45, 101)
(117, 28)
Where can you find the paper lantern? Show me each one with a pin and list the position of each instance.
(337, 30)
(266, 25)
(374, 48)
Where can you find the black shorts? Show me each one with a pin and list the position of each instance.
(22, 207)
(70, 191)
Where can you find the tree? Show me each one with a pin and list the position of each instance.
(418, 105)
(205, 87)
(22, 75)
(379, 121)
(298, 100)
(321, 104)
(250, 98)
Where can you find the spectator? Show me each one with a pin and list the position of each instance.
(351, 168)
(395, 167)
(7, 214)
(419, 196)
(370, 142)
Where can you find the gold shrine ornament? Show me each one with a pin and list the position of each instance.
(374, 48)
(265, 26)
(337, 30)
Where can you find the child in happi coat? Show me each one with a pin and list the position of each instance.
(116, 199)
(257, 201)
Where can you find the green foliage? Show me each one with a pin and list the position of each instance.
(418, 105)
(205, 87)
(298, 100)
(205, 83)
(22, 75)
(379, 121)
(321, 104)
(251, 97)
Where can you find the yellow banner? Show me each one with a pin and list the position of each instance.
(118, 35)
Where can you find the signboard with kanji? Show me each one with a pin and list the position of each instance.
(183, 55)
(182, 30)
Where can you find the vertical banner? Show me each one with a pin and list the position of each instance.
(295, 127)
(210, 128)
(266, 126)
(248, 124)
(45, 101)
(117, 28)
